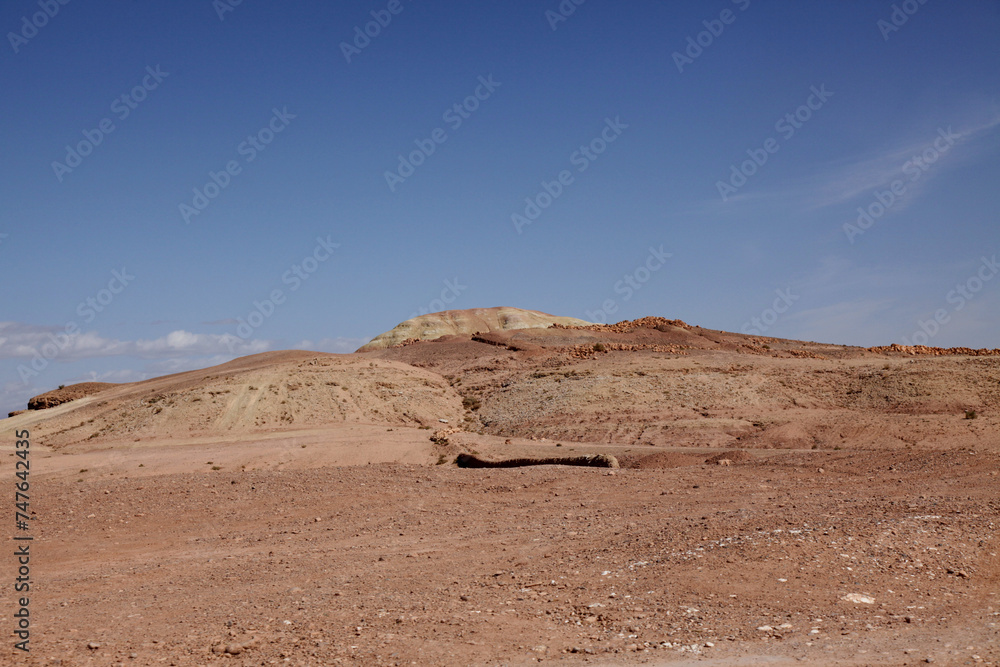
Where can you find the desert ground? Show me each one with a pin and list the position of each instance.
(776, 503)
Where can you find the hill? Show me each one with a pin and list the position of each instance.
(465, 322)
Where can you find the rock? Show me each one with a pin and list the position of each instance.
(234, 649)
(765, 628)
(50, 399)
(93, 646)
(858, 598)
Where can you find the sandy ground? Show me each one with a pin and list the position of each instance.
(848, 516)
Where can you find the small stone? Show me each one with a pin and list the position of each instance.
(858, 598)
(765, 628)
(93, 646)
(234, 649)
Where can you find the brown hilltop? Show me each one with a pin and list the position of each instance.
(465, 322)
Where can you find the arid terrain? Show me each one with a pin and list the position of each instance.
(777, 502)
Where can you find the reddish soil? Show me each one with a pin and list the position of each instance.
(779, 503)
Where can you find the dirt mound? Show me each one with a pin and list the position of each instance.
(261, 393)
(465, 322)
(50, 399)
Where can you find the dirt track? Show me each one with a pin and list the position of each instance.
(401, 564)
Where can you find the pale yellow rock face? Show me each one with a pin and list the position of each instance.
(473, 320)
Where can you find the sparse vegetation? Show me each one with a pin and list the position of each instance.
(599, 347)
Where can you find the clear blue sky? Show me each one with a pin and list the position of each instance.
(267, 92)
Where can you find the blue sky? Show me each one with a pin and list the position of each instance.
(187, 182)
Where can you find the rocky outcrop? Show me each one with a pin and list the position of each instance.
(914, 350)
(50, 399)
(466, 322)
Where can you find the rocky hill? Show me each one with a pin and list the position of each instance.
(465, 322)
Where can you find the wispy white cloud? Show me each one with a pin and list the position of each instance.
(847, 180)
(26, 341)
(856, 178)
